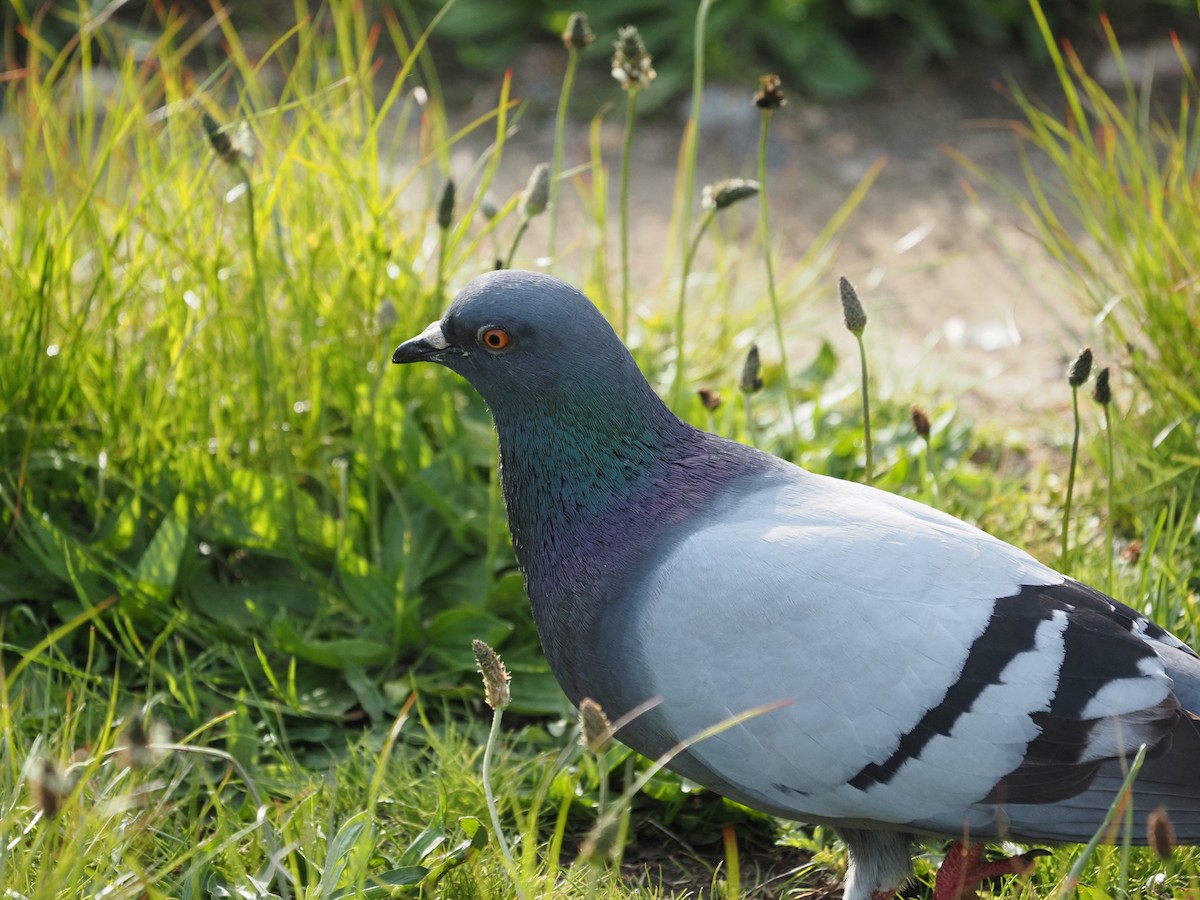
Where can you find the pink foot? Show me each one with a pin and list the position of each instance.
(962, 871)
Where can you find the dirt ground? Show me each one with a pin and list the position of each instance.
(966, 309)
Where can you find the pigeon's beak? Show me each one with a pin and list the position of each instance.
(429, 345)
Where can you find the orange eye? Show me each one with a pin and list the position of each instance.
(495, 339)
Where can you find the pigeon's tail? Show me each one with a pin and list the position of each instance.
(1168, 781)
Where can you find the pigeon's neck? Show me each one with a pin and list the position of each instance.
(591, 499)
(563, 473)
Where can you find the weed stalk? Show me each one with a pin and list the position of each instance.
(769, 98)
(1078, 375)
(534, 200)
(717, 196)
(692, 134)
(924, 429)
(493, 810)
(496, 692)
(751, 383)
(626, 150)
(681, 305)
(595, 733)
(1102, 394)
(856, 323)
(577, 36)
(445, 218)
(633, 68)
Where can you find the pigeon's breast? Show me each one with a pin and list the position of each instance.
(584, 576)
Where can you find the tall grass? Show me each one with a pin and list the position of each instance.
(1117, 212)
(197, 351)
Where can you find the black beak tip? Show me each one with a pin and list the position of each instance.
(413, 350)
(428, 345)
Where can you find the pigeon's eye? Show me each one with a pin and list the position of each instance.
(495, 339)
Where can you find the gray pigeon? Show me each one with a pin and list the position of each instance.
(932, 680)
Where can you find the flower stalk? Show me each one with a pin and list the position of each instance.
(633, 68)
(534, 200)
(595, 733)
(769, 98)
(924, 429)
(1077, 376)
(1102, 394)
(856, 322)
(716, 197)
(575, 38)
(497, 695)
(711, 401)
(751, 383)
(445, 218)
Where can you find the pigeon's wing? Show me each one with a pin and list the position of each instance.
(930, 675)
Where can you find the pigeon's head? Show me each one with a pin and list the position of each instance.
(527, 342)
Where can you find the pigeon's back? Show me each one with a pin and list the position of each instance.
(928, 675)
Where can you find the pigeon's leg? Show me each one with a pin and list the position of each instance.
(880, 863)
(962, 870)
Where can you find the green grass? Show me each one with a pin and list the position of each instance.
(228, 524)
(1117, 212)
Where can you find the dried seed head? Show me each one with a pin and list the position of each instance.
(137, 744)
(921, 423)
(578, 33)
(632, 65)
(386, 316)
(47, 786)
(495, 676)
(1102, 392)
(1081, 368)
(221, 143)
(770, 93)
(537, 191)
(601, 843)
(1161, 833)
(852, 311)
(595, 729)
(710, 398)
(752, 382)
(723, 194)
(134, 741)
(445, 211)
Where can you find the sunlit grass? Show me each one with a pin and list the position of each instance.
(1117, 213)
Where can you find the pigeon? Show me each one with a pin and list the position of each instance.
(921, 678)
